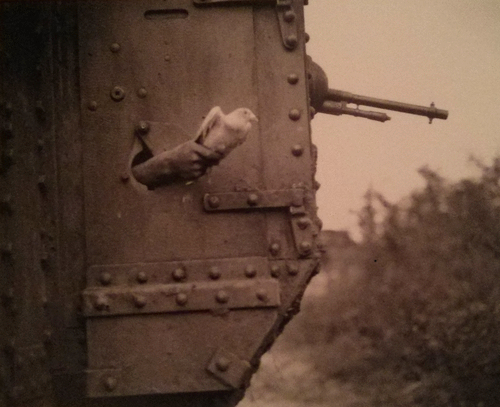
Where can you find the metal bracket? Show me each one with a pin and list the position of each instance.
(228, 368)
(303, 231)
(31, 377)
(186, 297)
(253, 200)
(287, 19)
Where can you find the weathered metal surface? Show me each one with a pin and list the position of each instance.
(228, 368)
(192, 294)
(186, 297)
(253, 200)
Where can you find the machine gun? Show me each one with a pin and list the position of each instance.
(333, 101)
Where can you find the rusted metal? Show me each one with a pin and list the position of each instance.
(133, 291)
(228, 368)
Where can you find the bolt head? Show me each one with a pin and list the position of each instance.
(289, 16)
(305, 247)
(115, 47)
(143, 127)
(179, 274)
(101, 303)
(307, 37)
(140, 301)
(181, 299)
(222, 297)
(117, 93)
(293, 269)
(92, 106)
(110, 383)
(250, 271)
(275, 248)
(142, 277)
(222, 364)
(213, 201)
(105, 278)
(294, 114)
(261, 294)
(275, 271)
(214, 273)
(142, 93)
(312, 112)
(297, 150)
(304, 223)
(293, 79)
(291, 41)
(253, 199)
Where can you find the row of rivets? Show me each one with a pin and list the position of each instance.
(293, 270)
(118, 93)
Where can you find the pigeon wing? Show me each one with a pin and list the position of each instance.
(210, 120)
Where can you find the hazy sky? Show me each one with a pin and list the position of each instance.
(441, 51)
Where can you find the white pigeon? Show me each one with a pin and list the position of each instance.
(222, 133)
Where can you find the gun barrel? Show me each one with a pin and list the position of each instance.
(430, 112)
(339, 108)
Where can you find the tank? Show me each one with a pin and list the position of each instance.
(138, 265)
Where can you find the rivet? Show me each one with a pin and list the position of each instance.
(262, 295)
(293, 79)
(275, 248)
(167, 58)
(181, 299)
(7, 131)
(142, 277)
(275, 271)
(105, 278)
(291, 41)
(293, 269)
(222, 297)
(8, 157)
(7, 249)
(110, 383)
(222, 363)
(6, 204)
(307, 37)
(250, 271)
(253, 199)
(101, 303)
(92, 106)
(115, 47)
(142, 93)
(142, 127)
(42, 186)
(8, 109)
(289, 16)
(124, 177)
(297, 150)
(117, 93)
(44, 261)
(294, 114)
(10, 346)
(305, 247)
(179, 274)
(140, 301)
(213, 201)
(40, 144)
(40, 110)
(312, 112)
(47, 336)
(214, 273)
(303, 223)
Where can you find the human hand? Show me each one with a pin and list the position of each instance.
(187, 161)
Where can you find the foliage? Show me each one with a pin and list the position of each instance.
(427, 308)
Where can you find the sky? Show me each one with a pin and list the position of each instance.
(441, 51)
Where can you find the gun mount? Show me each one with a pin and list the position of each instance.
(333, 101)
